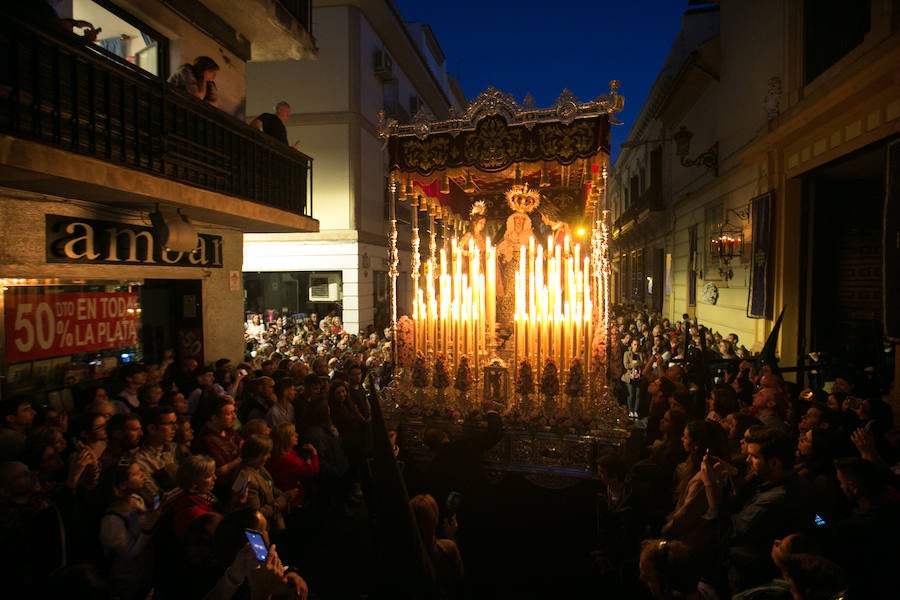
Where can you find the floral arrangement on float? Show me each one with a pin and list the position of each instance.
(440, 378)
(406, 353)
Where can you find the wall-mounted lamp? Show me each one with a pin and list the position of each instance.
(727, 245)
(175, 231)
(682, 139)
(708, 159)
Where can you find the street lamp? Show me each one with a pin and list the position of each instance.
(708, 159)
(682, 139)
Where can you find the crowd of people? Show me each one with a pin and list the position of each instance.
(746, 487)
(149, 480)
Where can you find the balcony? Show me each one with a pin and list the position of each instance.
(137, 138)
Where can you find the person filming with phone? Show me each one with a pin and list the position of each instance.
(781, 505)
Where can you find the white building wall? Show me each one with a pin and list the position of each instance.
(335, 102)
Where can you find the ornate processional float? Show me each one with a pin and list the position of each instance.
(509, 273)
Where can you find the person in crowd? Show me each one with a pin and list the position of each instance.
(780, 503)
(353, 429)
(124, 433)
(18, 416)
(254, 487)
(864, 543)
(35, 531)
(274, 124)
(633, 363)
(621, 517)
(128, 400)
(456, 464)
(204, 377)
(318, 430)
(288, 469)
(738, 424)
(819, 416)
(810, 576)
(184, 437)
(198, 79)
(770, 407)
(218, 439)
(443, 552)
(126, 531)
(177, 401)
(656, 365)
(660, 391)
(157, 454)
(668, 451)
(44, 448)
(258, 401)
(687, 522)
(241, 569)
(780, 588)
(670, 569)
(224, 384)
(282, 410)
(196, 478)
(722, 402)
(150, 395)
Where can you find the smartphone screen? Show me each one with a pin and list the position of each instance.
(156, 501)
(258, 544)
(820, 522)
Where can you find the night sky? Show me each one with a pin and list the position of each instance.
(541, 48)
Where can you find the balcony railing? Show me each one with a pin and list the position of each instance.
(56, 91)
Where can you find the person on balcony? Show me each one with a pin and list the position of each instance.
(274, 125)
(198, 79)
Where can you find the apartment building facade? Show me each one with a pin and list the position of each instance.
(369, 61)
(124, 201)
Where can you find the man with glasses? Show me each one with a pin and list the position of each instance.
(156, 458)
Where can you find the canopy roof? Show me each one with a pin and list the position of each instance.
(496, 143)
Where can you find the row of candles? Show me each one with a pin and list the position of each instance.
(454, 312)
(553, 306)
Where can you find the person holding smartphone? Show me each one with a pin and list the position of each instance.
(242, 540)
(125, 531)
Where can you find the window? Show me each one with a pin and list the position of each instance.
(831, 30)
(122, 36)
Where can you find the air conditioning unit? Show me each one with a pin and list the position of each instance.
(415, 104)
(324, 287)
(384, 65)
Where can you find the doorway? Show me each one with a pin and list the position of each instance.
(844, 204)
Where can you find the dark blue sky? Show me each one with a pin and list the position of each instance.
(543, 47)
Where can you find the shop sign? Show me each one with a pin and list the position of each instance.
(47, 325)
(74, 240)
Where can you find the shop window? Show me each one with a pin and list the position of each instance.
(58, 339)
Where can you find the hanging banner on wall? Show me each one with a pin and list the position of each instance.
(758, 304)
(46, 325)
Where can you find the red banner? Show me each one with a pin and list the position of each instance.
(46, 325)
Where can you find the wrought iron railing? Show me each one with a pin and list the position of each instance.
(56, 91)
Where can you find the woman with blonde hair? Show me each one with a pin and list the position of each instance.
(288, 469)
(196, 478)
(444, 552)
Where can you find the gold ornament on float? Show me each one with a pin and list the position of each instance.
(522, 199)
